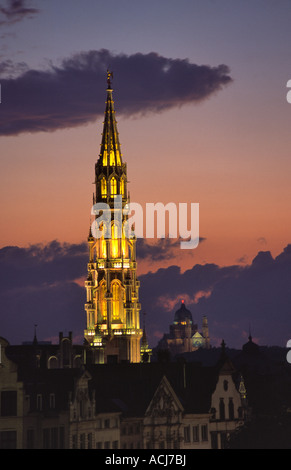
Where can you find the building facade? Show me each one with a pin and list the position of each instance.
(118, 406)
(12, 402)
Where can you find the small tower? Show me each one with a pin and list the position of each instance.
(112, 307)
(145, 351)
(205, 332)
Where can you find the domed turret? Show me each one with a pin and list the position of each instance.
(183, 314)
(250, 347)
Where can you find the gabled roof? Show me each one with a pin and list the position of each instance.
(132, 386)
(164, 390)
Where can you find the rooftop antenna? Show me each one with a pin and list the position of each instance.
(35, 338)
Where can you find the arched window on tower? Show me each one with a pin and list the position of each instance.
(102, 300)
(124, 246)
(112, 157)
(114, 241)
(105, 155)
(118, 158)
(117, 300)
(102, 243)
(103, 187)
(122, 186)
(113, 186)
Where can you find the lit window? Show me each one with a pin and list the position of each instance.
(112, 158)
(113, 186)
(105, 156)
(102, 243)
(114, 241)
(103, 187)
(115, 300)
(122, 186)
(103, 302)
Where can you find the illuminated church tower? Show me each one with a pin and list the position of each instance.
(113, 324)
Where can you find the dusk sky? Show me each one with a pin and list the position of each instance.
(200, 98)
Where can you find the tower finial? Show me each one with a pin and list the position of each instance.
(109, 76)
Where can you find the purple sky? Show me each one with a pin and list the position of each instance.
(200, 96)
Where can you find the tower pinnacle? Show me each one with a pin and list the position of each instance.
(109, 75)
(110, 152)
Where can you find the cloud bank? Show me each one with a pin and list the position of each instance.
(73, 93)
(14, 11)
(41, 285)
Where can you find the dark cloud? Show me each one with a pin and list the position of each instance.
(14, 11)
(161, 249)
(73, 93)
(40, 284)
(39, 265)
(237, 297)
(243, 259)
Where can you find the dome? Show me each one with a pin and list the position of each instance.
(250, 347)
(183, 314)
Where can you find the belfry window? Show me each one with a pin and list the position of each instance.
(112, 158)
(116, 300)
(103, 187)
(113, 186)
(114, 241)
(118, 158)
(122, 186)
(124, 247)
(105, 155)
(102, 243)
(103, 303)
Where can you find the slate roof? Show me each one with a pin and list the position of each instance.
(132, 386)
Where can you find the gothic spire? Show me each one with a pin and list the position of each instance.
(110, 153)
